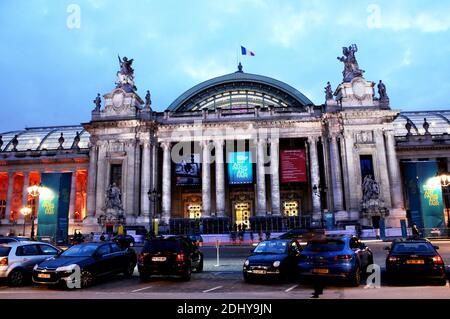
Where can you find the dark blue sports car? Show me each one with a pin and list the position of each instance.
(341, 256)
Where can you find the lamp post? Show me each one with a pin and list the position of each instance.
(34, 192)
(25, 211)
(153, 196)
(318, 191)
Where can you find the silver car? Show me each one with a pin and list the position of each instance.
(17, 259)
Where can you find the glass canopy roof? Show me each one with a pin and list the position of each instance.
(439, 122)
(44, 138)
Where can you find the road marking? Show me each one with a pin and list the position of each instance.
(215, 288)
(292, 288)
(137, 290)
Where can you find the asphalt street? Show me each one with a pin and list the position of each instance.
(224, 281)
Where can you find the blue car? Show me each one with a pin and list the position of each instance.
(341, 256)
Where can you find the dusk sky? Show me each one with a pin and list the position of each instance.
(53, 64)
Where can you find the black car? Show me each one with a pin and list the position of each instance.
(124, 241)
(275, 258)
(170, 256)
(415, 259)
(94, 259)
(302, 234)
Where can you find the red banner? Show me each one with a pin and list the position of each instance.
(293, 166)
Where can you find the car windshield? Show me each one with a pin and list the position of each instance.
(161, 245)
(271, 247)
(325, 245)
(80, 251)
(4, 251)
(405, 248)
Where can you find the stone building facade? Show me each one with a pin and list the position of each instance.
(353, 134)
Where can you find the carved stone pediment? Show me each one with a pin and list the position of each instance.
(364, 137)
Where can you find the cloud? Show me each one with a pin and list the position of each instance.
(423, 22)
(205, 70)
(407, 57)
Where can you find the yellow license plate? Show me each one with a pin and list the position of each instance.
(415, 261)
(159, 259)
(46, 276)
(259, 272)
(320, 271)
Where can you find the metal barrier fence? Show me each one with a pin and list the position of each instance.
(223, 225)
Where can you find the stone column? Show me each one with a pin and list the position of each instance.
(261, 206)
(275, 176)
(220, 179)
(101, 180)
(130, 181)
(92, 181)
(154, 181)
(353, 188)
(385, 190)
(394, 172)
(315, 177)
(73, 195)
(206, 179)
(166, 183)
(145, 180)
(336, 180)
(25, 189)
(9, 195)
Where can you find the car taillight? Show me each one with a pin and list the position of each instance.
(343, 257)
(392, 259)
(180, 257)
(141, 257)
(438, 260)
(4, 261)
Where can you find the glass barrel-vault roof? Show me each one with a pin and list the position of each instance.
(44, 138)
(439, 122)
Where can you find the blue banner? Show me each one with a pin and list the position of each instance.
(240, 168)
(54, 200)
(424, 193)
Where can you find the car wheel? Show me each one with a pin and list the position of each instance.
(128, 272)
(199, 268)
(441, 282)
(355, 279)
(86, 279)
(16, 278)
(187, 274)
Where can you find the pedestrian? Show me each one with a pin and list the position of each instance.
(415, 231)
(267, 235)
(318, 285)
(102, 237)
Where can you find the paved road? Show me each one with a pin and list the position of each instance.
(225, 281)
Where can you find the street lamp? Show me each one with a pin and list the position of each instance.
(34, 192)
(25, 211)
(445, 183)
(153, 196)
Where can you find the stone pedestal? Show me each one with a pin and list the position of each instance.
(357, 93)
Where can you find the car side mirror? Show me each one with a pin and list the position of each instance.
(436, 247)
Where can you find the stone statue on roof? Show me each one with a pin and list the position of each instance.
(125, 76)
(351, 67)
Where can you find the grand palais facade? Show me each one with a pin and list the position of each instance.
(239, 149)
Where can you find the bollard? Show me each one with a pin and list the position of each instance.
(217, 249)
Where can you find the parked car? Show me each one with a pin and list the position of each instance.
(415, 259)
(339, 256)
(170, 256)
(274, 258)
(94, 259)
(124, 241)
(10, 239)
(17, 259)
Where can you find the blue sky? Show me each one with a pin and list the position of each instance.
(52, 72)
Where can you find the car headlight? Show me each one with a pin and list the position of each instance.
(35, 267)
(69, 268)
(276, 263)
(247, 263)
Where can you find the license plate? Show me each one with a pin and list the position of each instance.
(415, 261)
(259, 272)
(46, 276)
(159, 259)
(320, 271)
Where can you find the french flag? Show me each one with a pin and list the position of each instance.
(247, 52)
